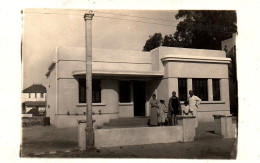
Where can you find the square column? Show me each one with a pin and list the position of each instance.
(188, 124)
(189, 85)
(224, 91)
(210, 90)
(172, 86)
(224, 126)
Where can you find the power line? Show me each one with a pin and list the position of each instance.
(137, 16)
(196, 26)
(103, 17)
(135, 21)
(52, 13)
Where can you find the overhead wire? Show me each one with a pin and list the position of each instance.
(136, 16)
(197, 27)
(135, 21)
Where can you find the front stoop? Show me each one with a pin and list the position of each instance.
(126, 123)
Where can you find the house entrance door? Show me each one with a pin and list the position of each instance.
(139, 98)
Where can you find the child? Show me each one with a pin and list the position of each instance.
(186, 108)
(162, 112)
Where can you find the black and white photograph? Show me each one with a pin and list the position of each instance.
(147, 81)
(129, 84)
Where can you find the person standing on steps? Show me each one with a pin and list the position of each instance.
(194, 102)
(162, 112)
(174, 108)
(153, 112)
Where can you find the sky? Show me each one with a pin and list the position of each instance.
(45, 29)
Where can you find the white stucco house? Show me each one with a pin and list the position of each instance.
(34, 97)
(123, 82)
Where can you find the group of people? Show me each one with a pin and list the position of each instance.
(160, 114)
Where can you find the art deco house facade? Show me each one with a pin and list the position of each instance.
(123, 82)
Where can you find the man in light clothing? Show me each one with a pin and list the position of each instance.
(194, 103)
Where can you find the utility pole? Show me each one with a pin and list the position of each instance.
(88, 49)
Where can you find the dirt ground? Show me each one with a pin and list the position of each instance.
(207, 145)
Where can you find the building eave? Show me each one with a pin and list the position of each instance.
(121, 73)
(195, 59)
(52, 64)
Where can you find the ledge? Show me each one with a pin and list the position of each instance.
(185, 116)
(126, 104)
(209, 102)
(219, 115)
(196, 59)
(93, 104)
(82, 121)
(121, 73)
(212, 102)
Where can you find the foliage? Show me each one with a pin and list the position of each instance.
(205, 29)
(153, 42)
(197, 29)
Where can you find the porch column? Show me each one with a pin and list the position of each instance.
(172, 86)
(210, 90)
(224, 91)
(189, 85)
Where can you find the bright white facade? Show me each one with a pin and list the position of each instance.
(33, 97)
(123, 82)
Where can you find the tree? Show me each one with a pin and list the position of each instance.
(204, 29)
(197, 29)
(153, 42)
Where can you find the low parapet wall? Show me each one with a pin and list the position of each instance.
(112, 137)
(137, 136)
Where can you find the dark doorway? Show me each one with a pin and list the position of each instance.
(139, 98)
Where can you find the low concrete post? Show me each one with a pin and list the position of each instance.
(224, 126)
(82, 134)
(188, 123)
(217, 124)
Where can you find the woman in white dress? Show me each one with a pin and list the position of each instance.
(162, 112)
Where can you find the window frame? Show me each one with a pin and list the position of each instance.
(216, 87)
(203, 94)
(127, 86)
(96, 91)
(183, 96)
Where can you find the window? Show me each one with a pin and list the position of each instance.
(216, 89)
(41, 95)
(182, 88)
(29, 95)
(200, 88)
(124, 91)
(35, 95)
(96, 91)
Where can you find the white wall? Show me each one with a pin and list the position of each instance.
(25, 97)
(51, 96)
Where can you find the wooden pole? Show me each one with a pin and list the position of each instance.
(88, 49)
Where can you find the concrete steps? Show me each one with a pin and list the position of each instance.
(126, 123)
